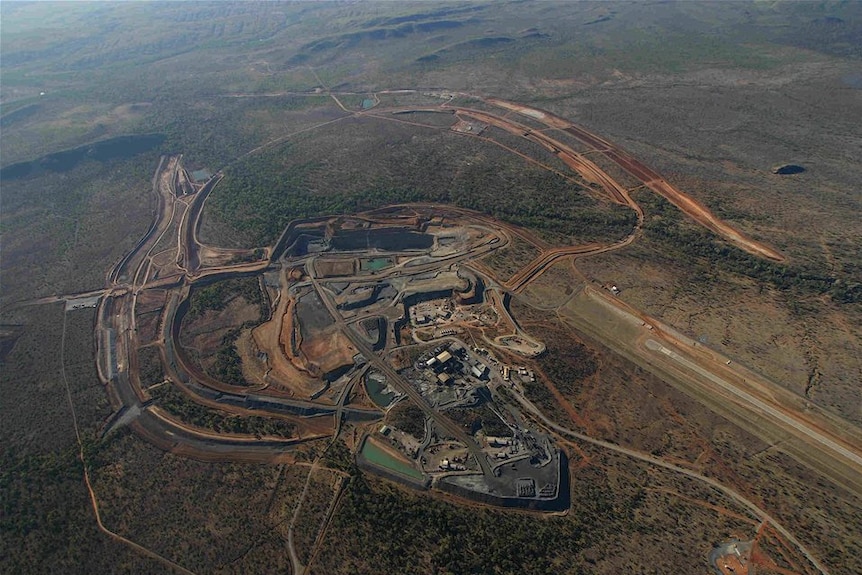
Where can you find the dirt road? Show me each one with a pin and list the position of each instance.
(650, 178)
(645, 457)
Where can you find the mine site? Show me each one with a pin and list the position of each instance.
(393, 330)
(371, 288)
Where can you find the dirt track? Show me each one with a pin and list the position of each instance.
(614, 191)
(581, 165)
(739, 498)
(537, 267)
(650, 178)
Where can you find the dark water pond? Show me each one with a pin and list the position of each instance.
(300, 247)
(377, 392)
(119, 148)
(789, 169)
(388, 239)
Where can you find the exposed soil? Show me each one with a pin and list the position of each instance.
(328, 350)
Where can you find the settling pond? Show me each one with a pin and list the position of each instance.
(375, 264)
(377, 456)
(386, 239)
(375, 389)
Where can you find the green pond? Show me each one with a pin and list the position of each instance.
(380, 458)
(201, 175)
(375, 264)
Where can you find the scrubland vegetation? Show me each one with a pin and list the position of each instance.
(711, 95)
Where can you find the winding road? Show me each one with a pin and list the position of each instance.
(645, 457)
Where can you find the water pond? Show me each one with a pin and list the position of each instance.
(374, 454)
(387, 239)
(376, 391)
(375, 264)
